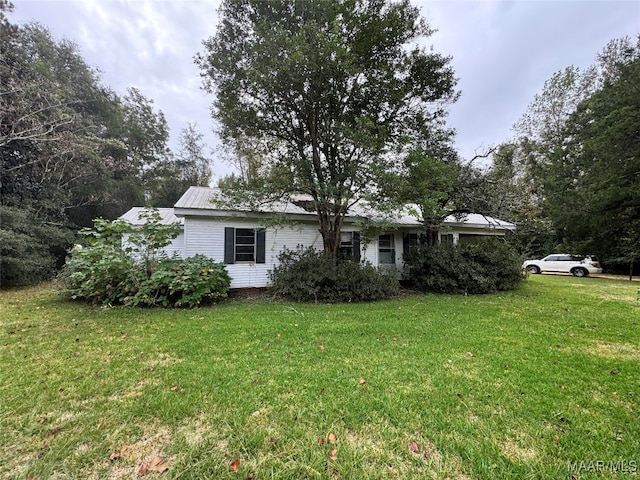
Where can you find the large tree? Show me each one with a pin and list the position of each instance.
(70, 149)
(326, 92)
(593, 191)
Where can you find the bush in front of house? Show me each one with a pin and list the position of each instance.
(306, 275)
(484, 266)
(183, 283)
(102, 272)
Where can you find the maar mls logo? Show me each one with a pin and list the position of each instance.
(622, 466)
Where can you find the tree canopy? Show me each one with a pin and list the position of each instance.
(71, 150)
(577, 152)
(326, 93)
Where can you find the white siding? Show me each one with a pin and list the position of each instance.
(206, 236)
(177, 245)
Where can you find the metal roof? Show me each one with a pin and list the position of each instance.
(199, 200)
(167, 216)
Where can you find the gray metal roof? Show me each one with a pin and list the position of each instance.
(199, 200)
(167, 216)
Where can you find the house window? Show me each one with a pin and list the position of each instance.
(467, 238)
(386, 249)
(350, 245)
(409, 241)
(446, 238)
(244, 245)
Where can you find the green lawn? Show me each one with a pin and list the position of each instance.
(511, 385)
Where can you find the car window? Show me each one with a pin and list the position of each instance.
(550, 258)
(564, 258)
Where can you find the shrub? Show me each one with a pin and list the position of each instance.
(140, 274)
(309, 275)
(187, 282)
(100, 273)
(484, 266)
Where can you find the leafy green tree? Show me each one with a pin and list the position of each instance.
(327, 92)
(593, 191)
(190, 166)
(551, 163)
(69, 149)
(506, 191)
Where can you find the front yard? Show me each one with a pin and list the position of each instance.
(541, 382)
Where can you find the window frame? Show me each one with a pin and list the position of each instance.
(232, 245)
(390, 249)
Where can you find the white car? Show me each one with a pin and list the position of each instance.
(580, 266)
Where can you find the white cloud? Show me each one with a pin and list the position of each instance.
(503, 51)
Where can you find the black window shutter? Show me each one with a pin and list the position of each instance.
(405, 242)
(356, 246)
(260, 246)
(229, 245)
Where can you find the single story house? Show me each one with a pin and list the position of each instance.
(244, 241)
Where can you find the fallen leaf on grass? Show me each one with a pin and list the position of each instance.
(174, 388)
(52, 432)
(118, 453)
(413, 446)
(233, 466)
(321, 440)
(156, 465)
(332, 438)
(362, 381)
(333, 454)
(251, 476)
(321, 347)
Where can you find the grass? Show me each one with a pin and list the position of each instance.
(511, 385)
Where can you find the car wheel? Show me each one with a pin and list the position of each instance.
(579, 272)
(533, 269)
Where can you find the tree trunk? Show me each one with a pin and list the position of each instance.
(330, 229)
(431, 233)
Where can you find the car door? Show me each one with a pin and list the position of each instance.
(550, 263)
(564, 263)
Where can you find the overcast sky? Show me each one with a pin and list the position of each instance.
(503, 51)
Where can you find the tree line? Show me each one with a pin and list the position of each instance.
(72, 149)
(573, 168)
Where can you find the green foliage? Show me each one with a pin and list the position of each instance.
(485, 266)
(29, 247)
(72, 150)
(100, 273)
(183, 283)
(139, 274)
(323, 90)
(308, 275)
(592, 188)
(578, 159)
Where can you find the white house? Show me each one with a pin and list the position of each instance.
(244, 241)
